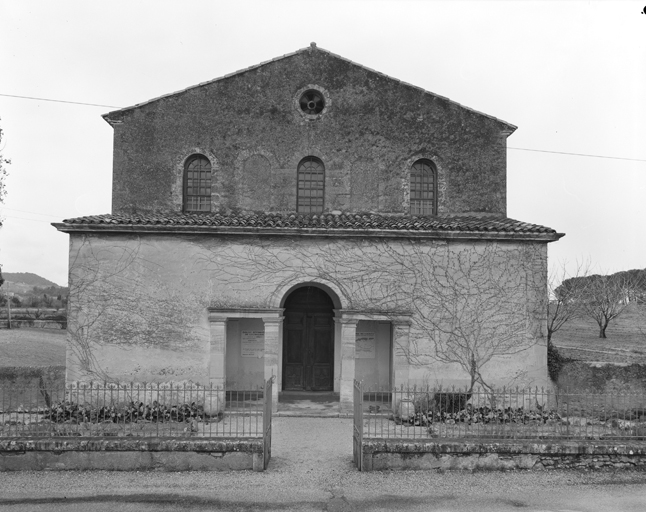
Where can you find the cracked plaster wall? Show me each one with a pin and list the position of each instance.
(138, 305)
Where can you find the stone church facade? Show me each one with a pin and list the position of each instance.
(311, 219)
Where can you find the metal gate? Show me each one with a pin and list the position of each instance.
(357, 433)
(266, 421)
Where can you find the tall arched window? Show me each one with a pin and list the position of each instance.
(197, 184)
(423, 199)
(311, 185)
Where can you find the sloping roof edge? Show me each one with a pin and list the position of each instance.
(311, 232)
(326, 225)
(312, 47)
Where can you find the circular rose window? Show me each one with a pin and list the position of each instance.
(312, 102)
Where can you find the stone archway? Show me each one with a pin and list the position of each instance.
(308, 340)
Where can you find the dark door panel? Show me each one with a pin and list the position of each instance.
(308, 341)
(293, 377)
(322, 378)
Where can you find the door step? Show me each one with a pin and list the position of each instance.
(309, 404)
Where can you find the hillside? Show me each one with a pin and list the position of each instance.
(23, 282)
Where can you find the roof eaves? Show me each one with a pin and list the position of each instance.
(308, 232)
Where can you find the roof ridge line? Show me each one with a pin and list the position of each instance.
(426, 91)
(207, 82)
(310, 48)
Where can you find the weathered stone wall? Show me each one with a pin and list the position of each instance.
(475, 456)
(138, 304)
(130, 455)
(38, 324)
(28, 386)
(612, 379)
(250, 126)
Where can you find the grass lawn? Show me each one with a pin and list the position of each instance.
(32, 347)
(626, 335)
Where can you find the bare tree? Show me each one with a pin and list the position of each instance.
(606, 297)
(3, 191)
(3, 172)
(565, 297)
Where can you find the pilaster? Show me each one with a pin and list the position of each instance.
(217, 365)
(401, 351)
(273, 332)
(348, 351)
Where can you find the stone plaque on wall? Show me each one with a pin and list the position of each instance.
(365, 346)
(252, 343)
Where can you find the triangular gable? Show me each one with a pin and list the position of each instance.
(313, 47)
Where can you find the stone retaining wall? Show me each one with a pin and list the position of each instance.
(608, 356)
(131, 454)
(22, 385)
(473, 456)
(17, 323)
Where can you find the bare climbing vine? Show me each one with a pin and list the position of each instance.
(470, 302)
(118, 297)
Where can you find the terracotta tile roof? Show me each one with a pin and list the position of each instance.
(326, 222)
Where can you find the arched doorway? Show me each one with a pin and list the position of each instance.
(308, 341)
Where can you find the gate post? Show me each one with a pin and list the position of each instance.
(266, 421)
(217, 364)
(348, 348)
(357, 430)
(273, 329)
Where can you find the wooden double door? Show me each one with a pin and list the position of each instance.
(308, 341)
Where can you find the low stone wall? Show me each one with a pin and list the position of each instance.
(22, 385)
(589, 355)
(37, 324)
(606, 378)
(131, 454)
(487, 456)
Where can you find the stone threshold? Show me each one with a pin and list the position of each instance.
(312, 414)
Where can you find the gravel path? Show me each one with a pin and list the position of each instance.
(311, 469)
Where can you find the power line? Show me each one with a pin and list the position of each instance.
(34, 213)
(508, 147)
(578, 154)
(24, 218)
(57, 101)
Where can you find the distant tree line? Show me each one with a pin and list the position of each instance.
(54, 297)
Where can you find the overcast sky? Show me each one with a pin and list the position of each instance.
(571, 75)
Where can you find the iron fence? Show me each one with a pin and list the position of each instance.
(424, 412)
(145, 410)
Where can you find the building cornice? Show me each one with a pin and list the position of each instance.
(302, 232)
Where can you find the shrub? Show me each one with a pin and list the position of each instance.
(555, 362)
(125, 413)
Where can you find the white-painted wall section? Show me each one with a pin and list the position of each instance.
(372, 363)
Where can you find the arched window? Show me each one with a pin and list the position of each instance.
(311, 185)
(423, 199)
(197, 184)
